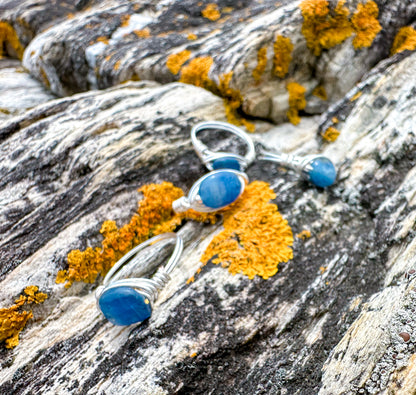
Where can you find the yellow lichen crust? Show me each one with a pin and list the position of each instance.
(255, 238)
(305, 234)
(356, 96)
(320, 92)
(192, 36)
(176, 61)
(13, 319)
(8, 36)
(297, 101)
(405, 39)
(282, 48)
(261, 64)
(365, 24)
(331, 134)
(211, 12)
(142, 33)
(232, 102)
(196, 72)
(322, 28)
(154, 216)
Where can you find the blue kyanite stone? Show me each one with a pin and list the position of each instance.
(124, 306)
(323, 173)
(220, 189)
(226, 163)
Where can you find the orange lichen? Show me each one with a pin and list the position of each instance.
(323, 269)
(102, 39)
(320, 92)
(405, 39)
(296, 101)
(70, 15)
(9, 41)
(365, 24)
(192, 36)
(44, 77)
(323, 29)
(117, 65)
(31, 295)
(331, 134)
(335, 120)
(154, 216)
(305, 234)
(13, 319)
(232, 102)
(282, 48)
(176, 61)
(211, 12)
(255, 238)
(356, 96)
(125, 19)
(196, 72)
(261, 64)
(142, 33)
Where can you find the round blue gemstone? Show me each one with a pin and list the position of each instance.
(124, 306)
(226, 163)
(220, 189)
(323, 173)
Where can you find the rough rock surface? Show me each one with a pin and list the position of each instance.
(339, 318)
(19, 91)
(114, 41)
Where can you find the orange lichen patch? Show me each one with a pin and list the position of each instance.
(31, 295)
(44, 77)
(103, 39)
(331, 134)
(322, 28)
(365, 24)
(193, 355)
(143, 33)
(117, 65)
(192, 36)
(125, 19)
(154, 216)
(320, 92)
(323, 269)
(196, 72)
(405, 39)
(356, 96)
(232, 102)
(108, 57)
(305, 234)
(175, 61)
(282, 48)
(211, 12)
(335, 120)
(13, 319)
(9, 37)
(255, 238)
(296, 101)
(261, 64)
(12, 322)
(70, 16)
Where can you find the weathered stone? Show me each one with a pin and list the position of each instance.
(19, 91)
(109, 43)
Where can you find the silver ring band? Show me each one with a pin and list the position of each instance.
(208, 157)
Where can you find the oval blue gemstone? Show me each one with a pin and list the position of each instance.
(124, 306)
(220, 189)
(226, 163)
(323, 173)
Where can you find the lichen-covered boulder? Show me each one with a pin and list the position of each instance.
(337, 318)
(248, 53)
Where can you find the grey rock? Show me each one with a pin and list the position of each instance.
(19, 91)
